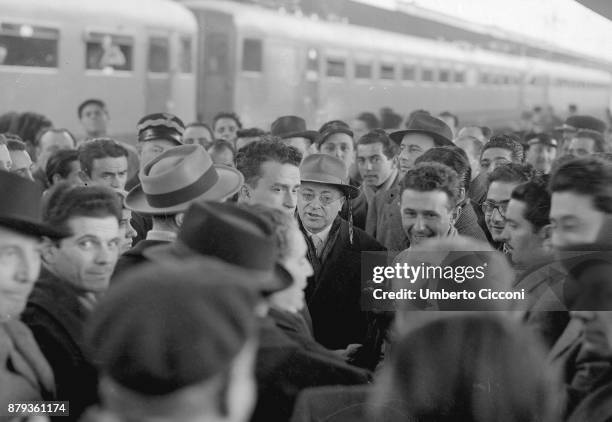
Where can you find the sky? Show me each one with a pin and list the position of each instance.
(564, 23)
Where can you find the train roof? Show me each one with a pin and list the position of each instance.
(341, 38)
(158, 13)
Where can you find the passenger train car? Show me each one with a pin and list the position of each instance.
(136, 55)
(263, 63)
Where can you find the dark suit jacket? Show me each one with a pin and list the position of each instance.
(333, 293)
(359, 208)
(134, 257)
(57, 320)
(284, 368)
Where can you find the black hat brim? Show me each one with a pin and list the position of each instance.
(439, 140)
(268, 282)
(32, 228)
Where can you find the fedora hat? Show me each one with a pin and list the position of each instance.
(428, 125)
(578, 122)
(332, 127)
(161, 126)
(178, 176)
(328, 170)
(292, 126)
(21, 209)
(232, 234)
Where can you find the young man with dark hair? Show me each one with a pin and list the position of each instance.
(247, 136)
(226, 125)
(502, 182)
(541, 151)
(429, 194)
(271, 174)
(76, 271)
(105, 162)
(64, 166)
(377, 162)
(586, 142)
(365, 122)
(581, 201)
(198, 133)
(21, 161)
(94, 118)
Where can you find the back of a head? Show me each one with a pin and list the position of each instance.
(464, 367)
(154, 336)
(59, 163)
(270, 148)
(536, 197)
(369, 119)
(512, 173)
(450, 156)
(509, 142)
(589, 176)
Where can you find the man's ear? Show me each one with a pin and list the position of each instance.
(178, 219)
(48, 250)
(57, 178)
(461, 195)
(545, 236)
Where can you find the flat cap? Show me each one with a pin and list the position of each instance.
(161, 126)
(167, 327)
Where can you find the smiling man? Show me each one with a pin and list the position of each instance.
(76, 270)
(428, 198)
(271, 174)
(502, 182)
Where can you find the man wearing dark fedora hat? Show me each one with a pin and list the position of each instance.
(169, 184)
(334, 250)
(240, 237)
(575, 123)
(292, 130)
(422, 133)
(25, 374)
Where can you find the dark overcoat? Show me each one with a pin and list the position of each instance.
(333, 293)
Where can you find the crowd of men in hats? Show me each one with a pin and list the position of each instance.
(216, 273)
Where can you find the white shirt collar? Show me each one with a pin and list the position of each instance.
(163, 235)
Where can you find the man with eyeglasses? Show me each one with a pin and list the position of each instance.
(333, 292)
(502, 182)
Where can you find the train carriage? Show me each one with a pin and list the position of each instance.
(137, 55)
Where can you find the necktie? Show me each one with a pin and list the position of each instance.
(318, 244)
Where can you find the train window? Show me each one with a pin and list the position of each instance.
(387, 71)
(427, 75)
(26, 45)
(336, 68)
(409, 73)
(104, 51)
(363, 71)
(159, 55)
(312, 64)
(186, 56)
(444, 75)
(252, 55)
(459, 76)
(484, 78)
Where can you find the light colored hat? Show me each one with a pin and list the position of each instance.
(328, 170)
(174, 179)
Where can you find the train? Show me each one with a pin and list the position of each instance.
(195, 58)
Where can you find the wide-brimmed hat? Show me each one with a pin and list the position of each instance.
(292, 126)
(332, 127)
(327, 170)
(234, 235)
(21, 209)
(428, 125)
(161, 126)
(179, 176)
(578, 122)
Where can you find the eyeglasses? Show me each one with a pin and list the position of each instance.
(324, 198)
(489, 206)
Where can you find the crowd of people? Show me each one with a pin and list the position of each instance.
(215, 273)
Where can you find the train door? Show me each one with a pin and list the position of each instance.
(311, 84)
(216, 64)
(158, 73)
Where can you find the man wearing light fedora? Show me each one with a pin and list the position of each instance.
(25, 374)
(292, 130)
(169, 184)
(422, 133)
(334, 251)
(157, 132)
(240, 237)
